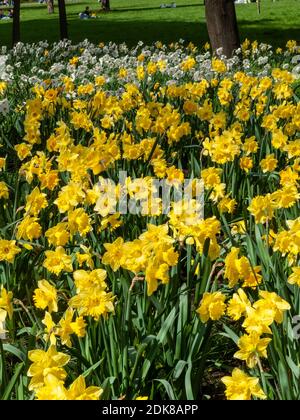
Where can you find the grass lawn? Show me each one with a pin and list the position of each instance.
(134, 20)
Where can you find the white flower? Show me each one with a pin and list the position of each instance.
(296, 71)
(262, 61)
(4, 107)
(3, 69)
(295, 59)
(246, 64)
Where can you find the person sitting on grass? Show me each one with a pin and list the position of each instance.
(87, 11)
(3, 16)
(87, 14)
(11, 13)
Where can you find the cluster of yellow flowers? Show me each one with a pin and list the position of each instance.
(258, 317)
(263, 207)
(240, 269)
(6, 308)
(47, 378)
(152, 253)
(46, 372)
(287, 242)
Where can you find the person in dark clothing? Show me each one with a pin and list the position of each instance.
(87, 11)
(86, 14)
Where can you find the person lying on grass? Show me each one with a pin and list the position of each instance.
(3, 16)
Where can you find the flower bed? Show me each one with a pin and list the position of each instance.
(149, 222)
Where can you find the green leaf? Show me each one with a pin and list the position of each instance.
(13, 381)
(229, 333)
(180, 365)
(166, 326)
(188, 383)
(168, 387)
(295, 369)
(15, 351)
(95, 365)
(284, 381)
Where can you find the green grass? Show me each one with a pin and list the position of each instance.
(134, 20)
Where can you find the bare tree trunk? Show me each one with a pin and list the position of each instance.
(63, 24)
(222, 25)
(258, 6)
(16, 23)
(50, 6)
(105, 5)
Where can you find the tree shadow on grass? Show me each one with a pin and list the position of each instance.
(246, 22)
(120, 10)
(114, 10)
(131, 32)
(134, 9)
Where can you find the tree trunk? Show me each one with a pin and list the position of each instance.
(50, 6)
(258, 6)
(16, 23)
(105, 5)
(63, 25)
(222, 25)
